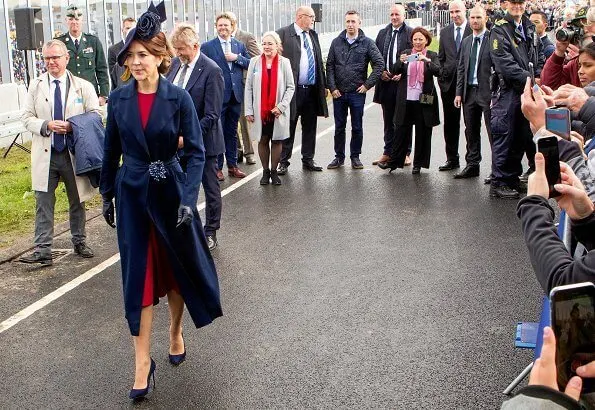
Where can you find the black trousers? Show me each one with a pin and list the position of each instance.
(452, 124)
(473, 110)
(212, 196)
(423, 138)
(307, 112)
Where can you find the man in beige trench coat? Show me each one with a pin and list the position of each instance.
(54, 97)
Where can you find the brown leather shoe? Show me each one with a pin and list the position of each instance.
(383, 158)
(235, 172)
(220, 176)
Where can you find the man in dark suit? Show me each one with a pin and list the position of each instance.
(245, 149)
(473, 88)
(301, 47)
(451, 38)
(115, 70)
(231, 56)
(203, 79)
(391, 41)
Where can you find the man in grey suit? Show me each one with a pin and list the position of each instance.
(473, 88)
(203, 79)
(245, 143)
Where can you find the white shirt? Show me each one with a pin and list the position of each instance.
(79, 38)
(395, 47)
(481, 37)
(223, 47)
(303, 72)
(463, 27)
(63, 79)
(188, 71)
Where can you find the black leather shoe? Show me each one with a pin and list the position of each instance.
(310, 165)
(282, 170)
(503, 192)
(416, 170)
(469, 171)
(83, 250)
(488, 180)
(275, 180)
(449, 165)
(266, 176)
(37, 257)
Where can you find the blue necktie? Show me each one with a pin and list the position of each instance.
(458, 39)
(59, 142)
(311, 73)
(519, 32)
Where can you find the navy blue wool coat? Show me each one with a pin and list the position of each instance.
(141, 200)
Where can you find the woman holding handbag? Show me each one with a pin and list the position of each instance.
(163, 248)
(267, 97)
(417, 104)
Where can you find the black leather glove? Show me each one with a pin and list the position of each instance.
(185, 216)
(108, 212)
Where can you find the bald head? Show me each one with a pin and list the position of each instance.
(304, 17)
(456, 9)
(397, 15)
(478, 19)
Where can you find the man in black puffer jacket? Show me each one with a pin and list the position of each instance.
(348, 80)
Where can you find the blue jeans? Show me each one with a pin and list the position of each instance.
(354, 102)
(230, 115)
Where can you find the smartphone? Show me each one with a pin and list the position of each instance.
(532, 73)
(557, 120)
(572, 311)
(412, 57)
(548, 146)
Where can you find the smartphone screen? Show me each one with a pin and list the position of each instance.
(573, 322)
(532, 73)
(548, 146)
(557, 120)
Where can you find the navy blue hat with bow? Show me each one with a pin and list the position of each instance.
(147, 27)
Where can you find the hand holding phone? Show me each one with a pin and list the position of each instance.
(548, 146)
(573, 322)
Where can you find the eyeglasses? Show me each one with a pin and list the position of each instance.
(52, 58)
(308, 15)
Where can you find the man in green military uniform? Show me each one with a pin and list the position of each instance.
(87, 59)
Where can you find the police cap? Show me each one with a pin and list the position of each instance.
(581, 13)
(73, 11)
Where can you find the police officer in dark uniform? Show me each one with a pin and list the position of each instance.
(87, 59)
(514, 44)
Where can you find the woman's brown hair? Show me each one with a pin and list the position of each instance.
(157, 46)
(424, 32)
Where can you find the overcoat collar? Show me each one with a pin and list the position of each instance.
(162, 105)
(196, 72)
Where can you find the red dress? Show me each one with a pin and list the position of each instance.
(159, 278)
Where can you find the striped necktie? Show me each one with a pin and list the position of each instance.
(311, 70)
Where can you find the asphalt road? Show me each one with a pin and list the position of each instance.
(340, 289)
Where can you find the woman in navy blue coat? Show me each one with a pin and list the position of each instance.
(163, 249)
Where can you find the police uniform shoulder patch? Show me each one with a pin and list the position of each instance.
(501, 22)
(495, 44)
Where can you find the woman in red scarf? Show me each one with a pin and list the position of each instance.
(417, 102)
(268, 93)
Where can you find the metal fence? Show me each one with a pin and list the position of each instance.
(434, 19)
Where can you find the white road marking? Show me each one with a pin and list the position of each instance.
(62, 290)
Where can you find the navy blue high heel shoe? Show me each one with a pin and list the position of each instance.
(177, 359)
(136, 394)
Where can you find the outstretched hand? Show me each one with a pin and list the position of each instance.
(544, 370)
(573, 198)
